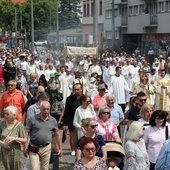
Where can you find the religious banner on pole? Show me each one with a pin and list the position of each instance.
(69, 50)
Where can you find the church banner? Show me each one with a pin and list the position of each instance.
(80, 50)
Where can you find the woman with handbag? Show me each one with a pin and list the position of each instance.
(85, 110)
(155, 135)
(12, 135)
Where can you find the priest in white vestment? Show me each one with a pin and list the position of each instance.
(119, 87)
(64, 82)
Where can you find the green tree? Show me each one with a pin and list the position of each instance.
(69, 16)
(7, 19)
(44, 15)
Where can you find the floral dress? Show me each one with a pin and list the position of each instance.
(11, 159)
(99, 165)
(136, 156)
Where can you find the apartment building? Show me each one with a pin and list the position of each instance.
(87, 22)
(137, 23)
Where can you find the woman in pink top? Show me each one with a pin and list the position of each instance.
(155, 135)
(106, 128)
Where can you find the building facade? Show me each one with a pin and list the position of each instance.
(137, 23)
(87, 22)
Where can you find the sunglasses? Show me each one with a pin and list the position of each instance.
(93, 126)
(87, 101)
(158, 118)
(101, 89)
(10, 85)
(90, 149)
(142, 100)
(106, 113)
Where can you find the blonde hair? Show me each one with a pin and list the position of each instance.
(101, 110)
(144, 108)
(135, 131)
(86, 122)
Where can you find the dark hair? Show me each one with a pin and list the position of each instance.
(18, 86)
(84, 97)
(43, 95)
(140, 94)
(158, 114)
(117, 67)
(85, 141)
(76, 84)
(100, 77)
(43, 80)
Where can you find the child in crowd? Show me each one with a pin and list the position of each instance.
(111, 164)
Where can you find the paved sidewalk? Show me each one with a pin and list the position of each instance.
(66, 161)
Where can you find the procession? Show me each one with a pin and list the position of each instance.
(50, 95)
(84, 85)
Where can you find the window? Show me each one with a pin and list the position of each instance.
(116, 12)
(168, 5)
(131, 10)
(108, 13)
(109, 34)
(117, 35)
(136, 10)
(161, 7)
(92, 9)
(141, 9)
(84, 10)
(88, 9)
(100, 7)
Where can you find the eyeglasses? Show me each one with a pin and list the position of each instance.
(90, 149)
(93, 126)
(142, 100)
(106, 113)
(87, 101)
(101, 89)
(11, 85)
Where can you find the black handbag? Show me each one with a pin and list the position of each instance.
(33, 148)
(59, 96)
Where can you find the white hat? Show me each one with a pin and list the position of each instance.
(160, 56)
(92, 80)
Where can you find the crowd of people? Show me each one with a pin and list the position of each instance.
(47, 93)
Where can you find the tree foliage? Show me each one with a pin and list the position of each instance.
(44, 15)
(70, 14)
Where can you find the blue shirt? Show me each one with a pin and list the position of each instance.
(163, 160)
(116, 113)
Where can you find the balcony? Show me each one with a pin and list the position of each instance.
(121, 22)
(121, 2)
(147, 20)
(149, 1)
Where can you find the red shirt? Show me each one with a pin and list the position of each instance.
(13, 99)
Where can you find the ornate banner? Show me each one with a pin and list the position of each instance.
(81, 50)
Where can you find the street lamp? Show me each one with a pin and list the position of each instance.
(95, 22)
(57, 26)
(113, 25)
(32, 26)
